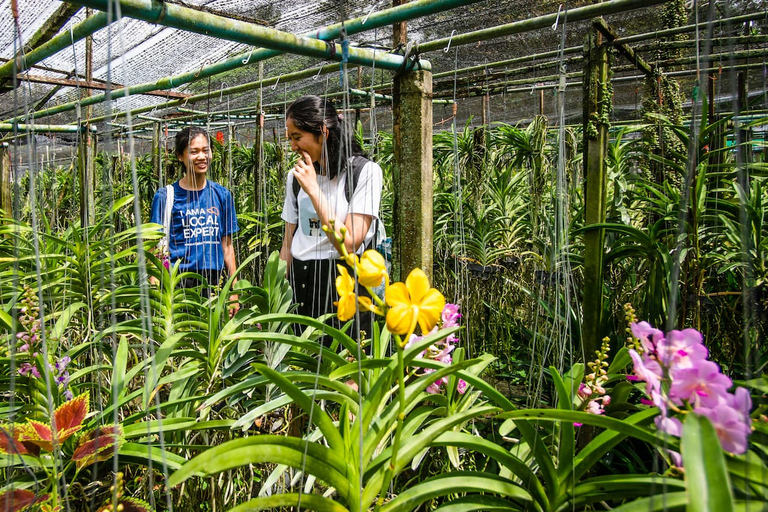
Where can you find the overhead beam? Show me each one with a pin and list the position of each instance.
(100, 85)
(58, 43)
(601, 26)
(52, 25)
(690, 28)
(199, 22)
(518, 27)
(378, 19)
(48, 30)
(44, 128)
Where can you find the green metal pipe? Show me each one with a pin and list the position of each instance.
(687, 28)
(80, 31)
(744, 54)
(379, 19)
(507, 87)
(384, 97)
(44, 128)
(691, 43)
(502, 63)
(517, 27)
(192, 20)
(298, 75)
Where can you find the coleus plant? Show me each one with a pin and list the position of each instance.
(48, 442)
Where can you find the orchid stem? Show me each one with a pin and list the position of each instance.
(389, 475)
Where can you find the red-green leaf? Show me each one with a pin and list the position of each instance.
(70, 415)
(98, 445)
(19, 499)
(37, 434)
(9, 442)
(135, 505)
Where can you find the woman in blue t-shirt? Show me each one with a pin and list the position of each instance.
(203, 215)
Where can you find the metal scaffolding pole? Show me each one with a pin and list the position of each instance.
(58, 43)
(379, 19)
(517, 27)
(193, 20)
(44, 128)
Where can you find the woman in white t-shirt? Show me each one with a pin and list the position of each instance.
(337, 185)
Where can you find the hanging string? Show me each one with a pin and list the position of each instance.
(461, 272)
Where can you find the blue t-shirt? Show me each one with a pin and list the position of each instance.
(199, 220)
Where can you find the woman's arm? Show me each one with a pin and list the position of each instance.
(231, 265)
(285, 248)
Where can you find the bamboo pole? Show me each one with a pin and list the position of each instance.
(58, 43)
(379, 19)
(6, 180)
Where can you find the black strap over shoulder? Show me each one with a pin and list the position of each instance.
(358, 163)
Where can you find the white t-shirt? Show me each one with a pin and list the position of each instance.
(309, 240)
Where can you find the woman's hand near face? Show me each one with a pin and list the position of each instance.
(304, 172)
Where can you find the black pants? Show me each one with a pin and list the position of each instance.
(314, 290)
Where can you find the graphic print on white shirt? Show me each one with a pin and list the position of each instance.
(309, 221)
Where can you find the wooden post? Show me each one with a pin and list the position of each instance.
(86, 150)
(258, 179)
(399, 29)
(6, 181)
(412, 174)
(744, 137)
(597, 101)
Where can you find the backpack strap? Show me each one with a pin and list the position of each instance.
(358, 163)
(166, 240)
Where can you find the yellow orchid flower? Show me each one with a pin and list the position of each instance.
(351, 260)
(413, 302)
(345, 287)
(371, 269)
(347, 303)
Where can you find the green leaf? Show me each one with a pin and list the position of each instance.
(607, 488)
(449, 483)
(478, 502)
(319, 417)
(662, 502)
(299, 501)
(584, 418)
(311, 458)
(706, 476)
(6, 322)
(63, 322)
(502, 456)
(118, 373)
(145, 455)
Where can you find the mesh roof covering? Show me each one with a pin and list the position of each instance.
(132, 52)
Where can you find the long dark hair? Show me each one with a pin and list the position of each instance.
(310, 114)
(186, 135)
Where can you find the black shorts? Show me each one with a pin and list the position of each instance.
(314, 290)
